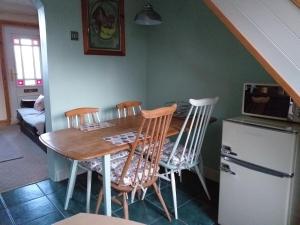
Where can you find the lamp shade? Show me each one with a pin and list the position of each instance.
(148, 16)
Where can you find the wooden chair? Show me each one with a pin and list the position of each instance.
(76, 118)
(177, 157)
(140, 169)
(81, 116)
(128, 108)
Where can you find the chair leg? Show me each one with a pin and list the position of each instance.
(100, 196)
(180, 176)
(166, 172)
(162, 202)
(173, 184)
(125, 207)
(202, 181)
(139, 194)
(88, 190)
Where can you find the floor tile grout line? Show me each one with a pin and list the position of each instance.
(16, 204)
(40, 188)
(157, 207)
(7, 210)
(156, 220)
(43, 215)
(56, 207)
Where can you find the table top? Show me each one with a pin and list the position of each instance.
(79, 145)
(93, 219)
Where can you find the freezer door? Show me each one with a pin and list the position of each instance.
(263, 146)
(248, 197)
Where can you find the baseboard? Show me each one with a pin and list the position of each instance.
(64, 174)
(212, 174)
(4, 123)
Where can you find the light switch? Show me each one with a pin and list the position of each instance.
(74, 36)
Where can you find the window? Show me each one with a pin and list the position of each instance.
(28, 62)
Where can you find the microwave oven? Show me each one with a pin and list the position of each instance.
(269, 101)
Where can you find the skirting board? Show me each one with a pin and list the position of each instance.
(4, 123)
(212, 174)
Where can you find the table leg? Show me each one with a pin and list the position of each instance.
(107, 185)
(71, 183)
(88, 190)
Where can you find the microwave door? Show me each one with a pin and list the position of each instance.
(266, 101)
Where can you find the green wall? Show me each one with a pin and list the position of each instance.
(192, 55)
(77, 80)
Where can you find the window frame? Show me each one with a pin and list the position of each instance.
(38, 80)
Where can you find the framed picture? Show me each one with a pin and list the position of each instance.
(103, 27)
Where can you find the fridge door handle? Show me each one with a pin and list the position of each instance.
(225, 149)
(226, 168)
(257, 168)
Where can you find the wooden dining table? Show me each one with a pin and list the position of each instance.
(79, 145)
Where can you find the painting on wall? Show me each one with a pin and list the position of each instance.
(103, 27)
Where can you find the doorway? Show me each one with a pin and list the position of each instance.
(23, 65)
(21, 78)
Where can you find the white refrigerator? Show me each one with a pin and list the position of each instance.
(259, 173)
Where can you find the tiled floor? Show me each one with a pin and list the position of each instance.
(42, 203)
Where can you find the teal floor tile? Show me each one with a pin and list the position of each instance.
(161, 183)
(4, 218)
(31, 210)
(29, 206)
(192, 185)
(49, 186)
(166, 193)
(142, 211)
(76, 204)
(165, 221)
(193, 213)
(1, 203)
(21, 195)
(48, 219)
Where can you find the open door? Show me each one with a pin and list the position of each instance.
(23, 65)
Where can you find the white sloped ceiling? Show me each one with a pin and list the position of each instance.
(270, 30)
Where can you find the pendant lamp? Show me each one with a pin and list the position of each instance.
(148, 16)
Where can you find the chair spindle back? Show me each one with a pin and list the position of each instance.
(196, 121)
(80, 116)
(150, 139)
(128, 108)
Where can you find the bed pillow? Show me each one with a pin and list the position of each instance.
(39, 103)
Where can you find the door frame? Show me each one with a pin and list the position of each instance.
(3, 64)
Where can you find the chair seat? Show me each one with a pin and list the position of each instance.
(141, 149)
(176, 159)
(97, 162)
(117, 166)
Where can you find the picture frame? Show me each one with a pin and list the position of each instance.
(103, 27)
(296, 2)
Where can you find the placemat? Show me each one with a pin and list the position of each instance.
(121, 139)
(95, 126)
